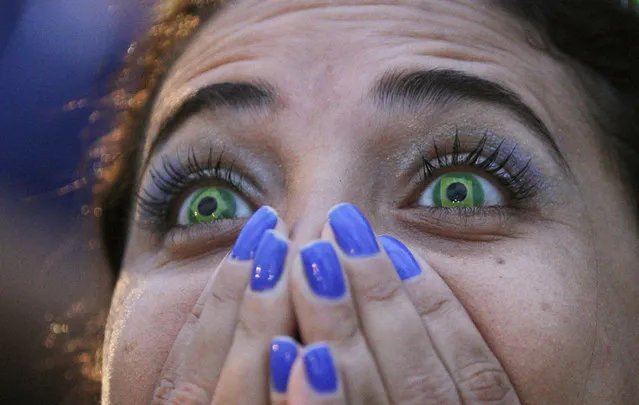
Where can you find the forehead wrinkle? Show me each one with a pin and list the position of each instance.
(247, 34)
(250, 31)
(441, 41)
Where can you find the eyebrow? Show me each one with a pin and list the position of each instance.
(238, 96)
(442, 86)
(394, 90)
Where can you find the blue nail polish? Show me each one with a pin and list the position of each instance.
(283, 355)
(320, 369)
(352, 231)
(262, 220)
(269, 261)
(323, 270)
(403, 260)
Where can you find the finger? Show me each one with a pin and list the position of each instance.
(407, 361)
(314, 379)
(195, 361)
(475, 370)
(265, 312)
(325, 312)
(283, 353)
(183, 338)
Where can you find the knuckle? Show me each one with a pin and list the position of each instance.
(162, 392)
(226, 294)
(337, 323)
(262, 318)
(379, 291)
(426, 390)
(439, 307)
(250, 326)
(168, 393)
(344, 324)
(483, 382)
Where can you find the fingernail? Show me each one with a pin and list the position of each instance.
(403, 260)
(262, 220)
(283, 355)
(320, 369)
(268, 262)
(323, 270)
(352, 231)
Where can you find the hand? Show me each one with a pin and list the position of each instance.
(220, 355)
(384, 328)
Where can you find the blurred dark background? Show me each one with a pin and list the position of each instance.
(57, 60)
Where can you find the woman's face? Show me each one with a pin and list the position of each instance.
(376, 103)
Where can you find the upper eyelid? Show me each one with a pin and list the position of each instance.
(496, 156)
(236, 96)
(413, 90)
(174, 178)
(395, 88)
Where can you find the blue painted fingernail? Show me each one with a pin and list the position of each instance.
(262, 220)
(320, 368)
(269, 261)
(352, 231)
(403, 260)
(323, 270)
(283, 355)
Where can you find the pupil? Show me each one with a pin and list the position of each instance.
(456, 192)
(207, 206)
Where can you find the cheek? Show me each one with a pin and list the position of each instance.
(145, 319)
(534, 302)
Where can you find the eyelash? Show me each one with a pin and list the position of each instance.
(175, 178)
(520, 182)
(178, 177)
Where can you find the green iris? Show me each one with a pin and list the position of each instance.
(458, 190)
(210, 204)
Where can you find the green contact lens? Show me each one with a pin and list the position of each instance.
(210, 204)
(458, 190)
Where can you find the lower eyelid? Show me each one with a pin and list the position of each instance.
(476, 224)
(184, 242)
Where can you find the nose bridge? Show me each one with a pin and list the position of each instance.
(324, 154)
(316, 184)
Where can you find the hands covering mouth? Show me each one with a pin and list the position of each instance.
(376, 324)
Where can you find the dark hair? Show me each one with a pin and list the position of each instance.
(600, 37)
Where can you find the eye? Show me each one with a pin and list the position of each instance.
(461, 189)
(209, 204)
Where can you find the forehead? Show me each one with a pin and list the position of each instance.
(320, 52)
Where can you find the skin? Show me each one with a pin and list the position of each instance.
(551, 287)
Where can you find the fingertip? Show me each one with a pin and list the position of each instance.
(400, 255)
(268, 262)
(263, 219)
(352, 231)
(283, 354)
(320, 369)
(323, 270)
(314, 379)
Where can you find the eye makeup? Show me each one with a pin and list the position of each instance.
(172, 178)
(170, 182)
(497, 162)
(491, 156)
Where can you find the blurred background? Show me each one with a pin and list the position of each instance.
(57, 60)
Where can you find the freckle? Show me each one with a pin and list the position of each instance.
(500, 260)
(128, 347)
(607, 349)
(545, 306)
